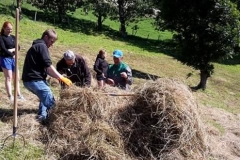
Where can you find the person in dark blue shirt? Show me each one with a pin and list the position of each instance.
(37, 66)
(101, 67)
(7, 58)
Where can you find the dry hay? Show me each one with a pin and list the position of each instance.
(162, 122)
(159, 122)
(78, 127)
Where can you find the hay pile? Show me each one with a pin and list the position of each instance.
(162, 122)
(159, 122)
(79, 127)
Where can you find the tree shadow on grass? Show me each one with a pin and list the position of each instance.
(69, 23)
(88, 27)
(7, 114)
(143, 75)
(231, 61)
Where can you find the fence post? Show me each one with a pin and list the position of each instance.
(35, 16)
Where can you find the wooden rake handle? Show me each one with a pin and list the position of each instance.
(16, 72)
(120, 94)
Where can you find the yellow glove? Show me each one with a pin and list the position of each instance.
(65, 80)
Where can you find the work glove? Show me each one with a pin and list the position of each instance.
(65, 80)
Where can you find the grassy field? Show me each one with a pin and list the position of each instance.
(150, 57)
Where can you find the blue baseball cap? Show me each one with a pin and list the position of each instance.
(117, 53)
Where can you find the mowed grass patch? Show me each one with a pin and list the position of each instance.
(223, 88)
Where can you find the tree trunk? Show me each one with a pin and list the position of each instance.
(60, 18)
(61, 13)
(122, 19)
(123, 29)
(99, 22)
(203, 80)
(20, 9)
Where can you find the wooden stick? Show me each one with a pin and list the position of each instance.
(16, 73)
(119, 94)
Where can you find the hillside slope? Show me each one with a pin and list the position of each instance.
(218, 105)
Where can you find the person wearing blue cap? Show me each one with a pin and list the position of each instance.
(119, 74)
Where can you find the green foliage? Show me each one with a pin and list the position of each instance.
(237, 2)
(127, 11)
(59, 7)
(100, 9)
(207, 30)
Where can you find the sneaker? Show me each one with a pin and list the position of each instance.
(20, 97)
(42, 119)
(11, 98)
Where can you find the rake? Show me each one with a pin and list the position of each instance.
(15, 134)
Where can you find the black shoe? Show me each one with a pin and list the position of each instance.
(42, 119)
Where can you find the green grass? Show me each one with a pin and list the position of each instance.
(152, 56)
(20, 152)
(146, 29)
(218, 126)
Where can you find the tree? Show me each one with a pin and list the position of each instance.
(59, 7)
(237, 2)
(127, 11)
(101, 9)
(206, 31)
(18, 5)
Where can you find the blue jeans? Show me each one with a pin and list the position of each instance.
(43, 92)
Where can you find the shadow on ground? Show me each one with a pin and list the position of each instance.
(232, 61)
(143, 75)
(88, 27)
(7, 114)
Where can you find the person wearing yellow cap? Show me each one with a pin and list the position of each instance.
(37, 65)
(75, 68)
(119, 74)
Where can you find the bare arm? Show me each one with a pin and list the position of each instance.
(53, 72)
